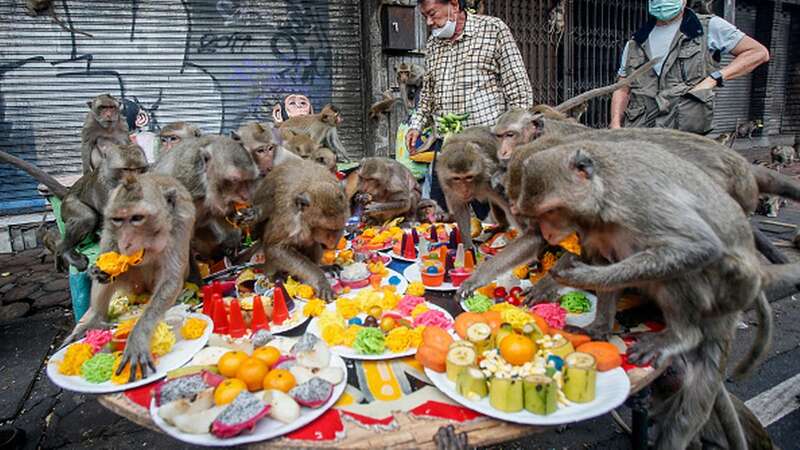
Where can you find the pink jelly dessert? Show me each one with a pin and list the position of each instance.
(242, 414)
(97, 339)
(407, 304)
(552, 313)
(433, 318)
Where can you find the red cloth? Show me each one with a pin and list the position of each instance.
(444, 411)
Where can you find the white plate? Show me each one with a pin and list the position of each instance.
(394, 255)
(585, 319)
(612, 389)
(298, 310)
(267, 428)
(181, 353)
(400, 289)
(349, 353)
(413, 274)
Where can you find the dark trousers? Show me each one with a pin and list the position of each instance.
(481, 209)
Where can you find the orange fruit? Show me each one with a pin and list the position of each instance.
(230, 362)
(541, 323)
(494, 319)
(606, 354)
(437, 338)
(268, 354)
(466, 320)
(279, 379)
(433, 358)
(228, 390)
(517, 349)
(252, 372)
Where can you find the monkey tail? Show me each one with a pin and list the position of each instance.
(763, 340)
(773, 182)
(56, 188)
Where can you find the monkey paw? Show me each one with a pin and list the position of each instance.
(137, 353)
(650, 349)
(324, 291)
(469, 286)
(446, 438)
(98, 275)
(333, 269)
(77, 260)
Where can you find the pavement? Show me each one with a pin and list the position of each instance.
(53, 418)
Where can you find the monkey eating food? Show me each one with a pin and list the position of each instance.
(153, 214)
(391, 189)
(301, 210)
(104, 126)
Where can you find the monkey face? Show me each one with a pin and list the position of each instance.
(330, 116)
(168, 141)
(463, 185)
(264, 156)
(509, 139)
(327, 237)
(555, 226)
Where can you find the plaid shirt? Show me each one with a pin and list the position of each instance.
(480, 73)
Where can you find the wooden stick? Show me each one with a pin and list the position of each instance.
(779, 224)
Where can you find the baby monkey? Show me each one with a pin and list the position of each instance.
(154, 214)
(390, 190)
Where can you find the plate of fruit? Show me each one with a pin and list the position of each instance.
(377, 324)
(283, 385)
(90, 365)
(525, 372)
(372, 273)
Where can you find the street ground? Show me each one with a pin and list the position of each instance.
(53, 418)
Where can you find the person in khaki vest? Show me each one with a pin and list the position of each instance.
(679, 92)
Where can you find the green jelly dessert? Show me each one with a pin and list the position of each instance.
(97, 369)
(369, 341)
(478, 303)
(576, 302)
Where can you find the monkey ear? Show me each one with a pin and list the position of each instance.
(235, 136)
(171, 197)
(302, 201)
(584, 164)
(89, 104)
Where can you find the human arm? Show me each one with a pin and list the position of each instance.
(513, 76)
(620, 98)
(424, 111)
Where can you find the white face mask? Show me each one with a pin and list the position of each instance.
(449, 28)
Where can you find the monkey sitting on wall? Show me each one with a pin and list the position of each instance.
(322, 128)
(390, 189)
(82, 204)
(153, 213)
(104, 126)
(301, 210)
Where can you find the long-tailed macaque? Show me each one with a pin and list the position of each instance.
(103, 127)
(690, 249)
(301, 210)
(300, 144)
(322, 128)
(153, 213)
(82, 204)
(173, 134)
(410, 78)
(265, 145)
(325, 157)
(37, 8)
(383, 106)
(467, 166)
(391, 188)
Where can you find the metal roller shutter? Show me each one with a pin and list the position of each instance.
(215, 63)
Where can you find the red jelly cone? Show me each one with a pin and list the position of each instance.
(236, 328)
(279, 310)
(220, 315)
(409, 251)
(469, 260)
(260, 321)
(208, 299)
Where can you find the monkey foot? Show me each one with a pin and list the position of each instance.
(651, 349)
(137, 353)
(599, 332)
(446, 438)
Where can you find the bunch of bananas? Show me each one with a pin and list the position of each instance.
(450, 123)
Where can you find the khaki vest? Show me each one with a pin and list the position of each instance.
(664, 101)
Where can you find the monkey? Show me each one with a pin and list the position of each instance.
(383, 106)
(391, 188)
(37, 8)
(173, 134)
(104, 125)
(692, 251)
(82, 204)
(467, 166)
(556, 22)
(322, 128)
(410, 78)
(300, 144)
(301, 210)
(702, 6)
(265, 144)
(326, 157)
(746, 129)
(726, 139)
(782, 155)
(156, 214)
(428, 211)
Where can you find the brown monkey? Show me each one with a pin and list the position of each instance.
(300, 144)
(391, 188)
(154, 213)
(82, 204)
(467, 167)
(690, 250)
(173, 134)
(322, 128)
(428, 211)
(409, 76)
(301, 210)
(383, 106)
(264, 143)
(326, 157)
(782, 155)
(37, 8)
(104, 126)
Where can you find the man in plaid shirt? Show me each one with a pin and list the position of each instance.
(473, 66)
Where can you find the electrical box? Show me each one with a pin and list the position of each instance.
(399, 27)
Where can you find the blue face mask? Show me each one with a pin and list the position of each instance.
(665, 10)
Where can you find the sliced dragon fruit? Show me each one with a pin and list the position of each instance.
(285, 362)
(313, 393)
(261, 338)
(186, 386)
(311, 352)
(242, 414)
(306, 343)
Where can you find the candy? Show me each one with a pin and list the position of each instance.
(163, 340)
(314, 307)
(433, 318)
(478, 303)
(552, 313)
(97, 339)
(408, 303)
(398, 339)
(369, 341)
(97, 369)
(416, 289)
(74, 358)
(193, 328)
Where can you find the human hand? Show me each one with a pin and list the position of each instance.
(707, 83)
(411, 140)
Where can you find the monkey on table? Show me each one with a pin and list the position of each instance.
(467, 167)
(390, 189)
(173, 134)
(156, 214)
(104, 126)
(322, 128)
(301, 210)
(653, 221)
(82, 204)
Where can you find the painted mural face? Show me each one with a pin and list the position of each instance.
(293, 105)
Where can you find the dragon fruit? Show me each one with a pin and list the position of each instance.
(261, 338)
(242, 414)
(285, 362)
(313, 393)
(311, 352)
(187, 386)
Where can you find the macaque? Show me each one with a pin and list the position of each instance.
(322, 128)
(37, 8)
(264, 143)
(691, 250)
(428, 211)
(746, 129)
(153, 213)
(82, 204)
(326, 157)
(410, 78)
(301, 210)
(782, 155)
(467, 167)
(726, 139)
(104, 126)
(300, 144)
(383, 106)
(391, 188)
(173, 134)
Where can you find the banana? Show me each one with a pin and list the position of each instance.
(580, 377)
(561, 347)
(472, 384)
(459, 359)
(505, 394)
(540, 394)
(480, 334)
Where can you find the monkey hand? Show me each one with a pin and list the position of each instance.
(543, 291)
(446, 438)
(333, 269)
(324, 290)
(137, 354)
(652, 348)
(470, 285)
(570, 271)
(96, 274)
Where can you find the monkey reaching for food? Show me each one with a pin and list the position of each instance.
(154, 214)
(301, 210)
(322, 128)
(391, 190)
(428, 211)
(103, 127)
